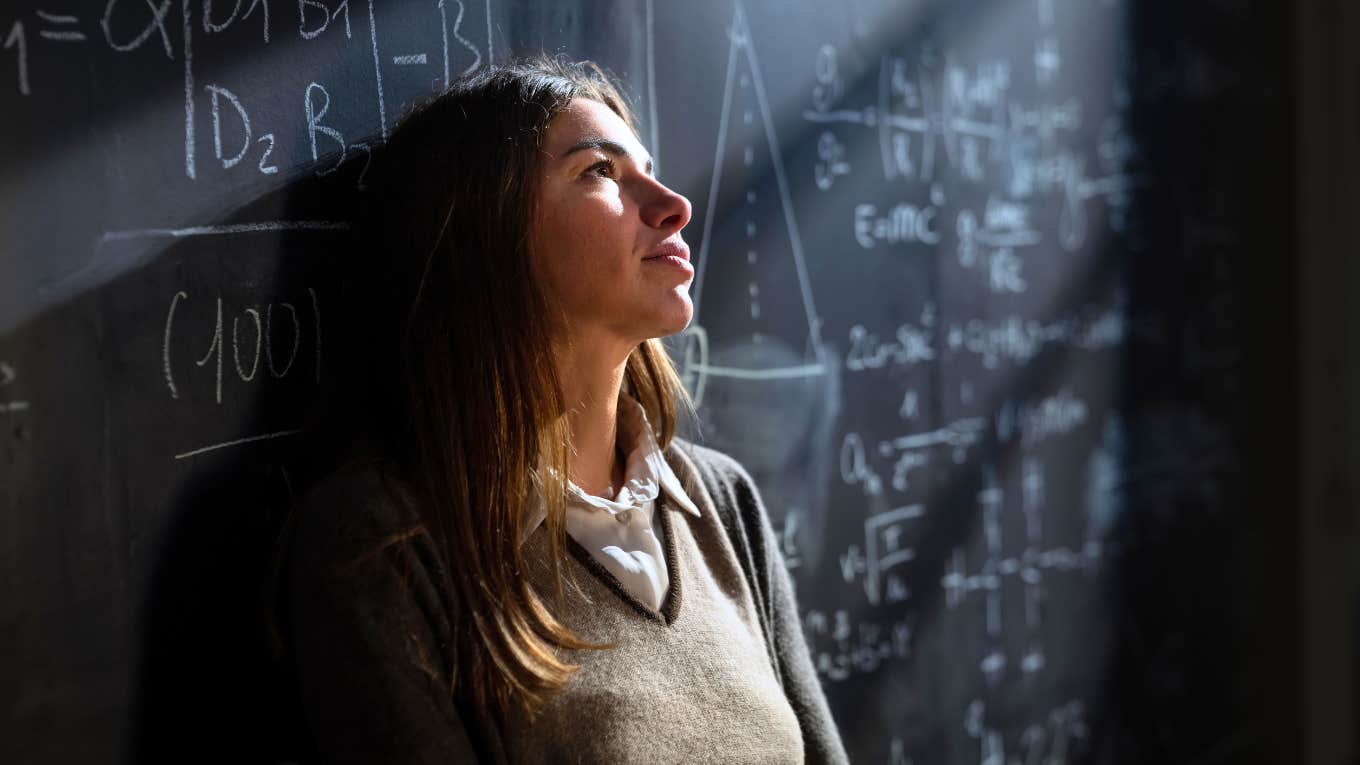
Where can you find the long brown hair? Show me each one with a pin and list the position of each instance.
(457, 383)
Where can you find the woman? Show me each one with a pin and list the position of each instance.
(521, 561)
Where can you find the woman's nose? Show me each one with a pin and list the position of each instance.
(666, 209)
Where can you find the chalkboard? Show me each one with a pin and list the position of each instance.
(972, 305)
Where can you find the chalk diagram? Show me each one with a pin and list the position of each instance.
(756, 244)
(753, 356)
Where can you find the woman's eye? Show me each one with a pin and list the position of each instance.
(603, 168)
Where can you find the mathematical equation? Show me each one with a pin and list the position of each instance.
(937, 118)
(260, 342)
(240, 138)
(1003, 182)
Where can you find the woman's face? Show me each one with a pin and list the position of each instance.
(601, 218)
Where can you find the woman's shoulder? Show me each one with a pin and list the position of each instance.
(715, 468)
(352, 507)
(706, 457)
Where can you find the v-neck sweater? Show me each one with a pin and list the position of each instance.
(623, 532)
(721, 673)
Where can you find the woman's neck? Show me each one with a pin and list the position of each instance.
(592, 390)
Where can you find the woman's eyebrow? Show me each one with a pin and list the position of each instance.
(607, 146)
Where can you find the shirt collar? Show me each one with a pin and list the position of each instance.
(646, 473)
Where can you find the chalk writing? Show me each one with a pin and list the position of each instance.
(249, 343)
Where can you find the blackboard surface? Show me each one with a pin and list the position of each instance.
(976, 305)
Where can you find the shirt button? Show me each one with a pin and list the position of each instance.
(624, 515)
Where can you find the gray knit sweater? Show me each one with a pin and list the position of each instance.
(720, 674)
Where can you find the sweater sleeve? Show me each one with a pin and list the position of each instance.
(821, 738)
(366, 638)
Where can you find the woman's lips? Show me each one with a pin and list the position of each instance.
(673, 261)
(672, 250)
(674, 255)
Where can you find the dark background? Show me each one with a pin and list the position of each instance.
(1032, 321)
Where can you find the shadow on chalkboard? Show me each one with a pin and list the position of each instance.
(213, 681)
(1203, 664)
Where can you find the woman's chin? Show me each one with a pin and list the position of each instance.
(676, 314)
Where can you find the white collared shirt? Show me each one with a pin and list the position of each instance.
(623, 533)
